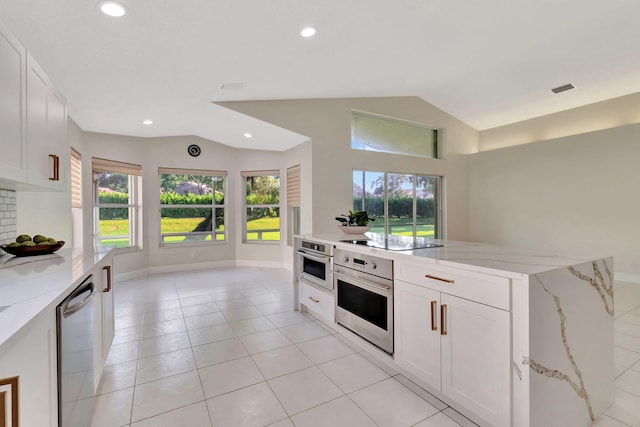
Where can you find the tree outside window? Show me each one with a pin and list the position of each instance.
(262, 206)
(402, 204)
(192, 206)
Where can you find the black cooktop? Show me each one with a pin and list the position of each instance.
(393, 242)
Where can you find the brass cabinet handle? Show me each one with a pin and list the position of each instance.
(434, 327)
(56, 168)
(314, 299)
(443, 319)
(108, 269)
(429, 276)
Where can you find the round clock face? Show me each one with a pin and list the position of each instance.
(194, 150)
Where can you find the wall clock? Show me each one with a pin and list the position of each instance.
(194, 150)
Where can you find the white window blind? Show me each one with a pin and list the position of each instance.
(260, 173)
(76, 179)
(293, 186)
(104, 165)
(200, 172)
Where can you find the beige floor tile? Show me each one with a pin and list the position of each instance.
(166, 394)
(164, 365)
(281, 361)
(324, 349)
(341, 412)
(408, 408)
(253, 406)
(218, 352)
(229, 376)
(304, 331)
(211, 334)
(164, 344)
(195, 415)
(352, 372)
(304, 389)
(264, 341)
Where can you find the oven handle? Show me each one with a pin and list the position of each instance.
(371, 286)
(322, 258)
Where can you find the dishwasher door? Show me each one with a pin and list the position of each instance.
(75, 327)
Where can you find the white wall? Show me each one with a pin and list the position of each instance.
(327, 122)
(575, 195)
(152, 153)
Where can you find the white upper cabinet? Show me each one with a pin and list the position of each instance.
(46, 131)
(33, 121)
(13, 162)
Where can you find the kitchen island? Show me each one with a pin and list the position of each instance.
(507, 336)
(30, 290)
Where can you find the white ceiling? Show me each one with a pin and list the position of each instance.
(488, 63)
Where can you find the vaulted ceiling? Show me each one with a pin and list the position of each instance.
(487, 63)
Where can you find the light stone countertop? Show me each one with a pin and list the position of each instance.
(31, 286)
(479, 257)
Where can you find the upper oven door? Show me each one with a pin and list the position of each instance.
(315, 268)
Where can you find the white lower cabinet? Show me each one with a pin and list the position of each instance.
(456, 346)
(28, 370)
(319, 302)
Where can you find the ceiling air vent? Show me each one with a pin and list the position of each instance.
(562, 88)
(232, 86)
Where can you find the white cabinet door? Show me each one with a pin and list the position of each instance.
(108, 325)
(13, 161)
(46, 131)
(476, 358)
(32, 358)
(417, 332)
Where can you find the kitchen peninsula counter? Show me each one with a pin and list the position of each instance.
(541, 322)
(35, 285)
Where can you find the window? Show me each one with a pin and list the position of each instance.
(262, 206)
(402, 204)
(371, 132)
(293, 203)
(192, 206)
(116, 206)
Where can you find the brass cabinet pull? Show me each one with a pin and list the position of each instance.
(108, 270)
(434, 327)
(429, 276)
(56, 168)
(314, 299)
(443, 319)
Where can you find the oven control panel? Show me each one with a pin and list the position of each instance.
(362, 262)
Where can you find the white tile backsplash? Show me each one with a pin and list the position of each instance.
(8, 216)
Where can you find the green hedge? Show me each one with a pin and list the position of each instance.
(400, 206)
(165, 199)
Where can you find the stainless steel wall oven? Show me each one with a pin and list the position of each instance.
(315, 263)
(364, 296)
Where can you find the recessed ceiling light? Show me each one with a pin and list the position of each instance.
(308, 31)
(112, 8)
(247, 135)
(147, 122)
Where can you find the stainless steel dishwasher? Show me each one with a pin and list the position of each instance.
(75, 327)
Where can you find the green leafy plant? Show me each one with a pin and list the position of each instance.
(355, 218)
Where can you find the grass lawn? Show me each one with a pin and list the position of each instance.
(400, 227)
(119, 227)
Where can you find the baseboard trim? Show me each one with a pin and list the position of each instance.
(132, 274)
(190, 267)
(173, 268)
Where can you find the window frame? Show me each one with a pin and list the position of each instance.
(439, 214)
(134, 205)
(249, 174)
(213, 206)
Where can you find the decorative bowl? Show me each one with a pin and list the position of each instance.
(354, 229)
(33, 250)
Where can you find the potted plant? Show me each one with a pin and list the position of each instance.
(355, 223)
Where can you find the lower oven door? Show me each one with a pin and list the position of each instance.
(315, 269)
(366, 308)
